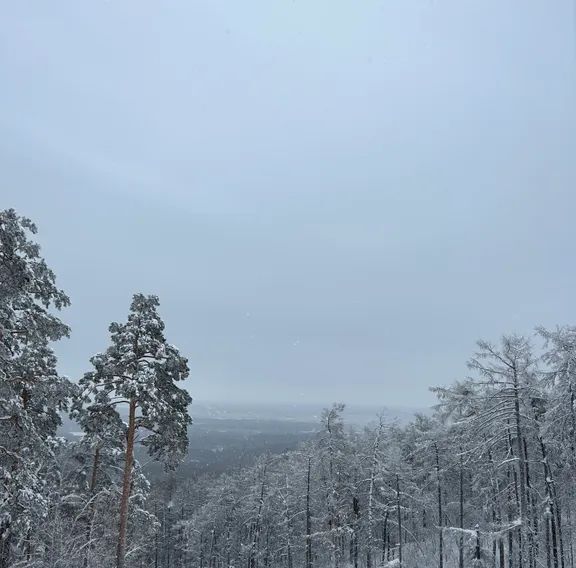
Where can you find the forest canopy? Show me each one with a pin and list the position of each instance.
(485, 479)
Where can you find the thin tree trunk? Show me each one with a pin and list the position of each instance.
(570, 535)
(558, 514)
(548, 555)
(288, 523)
(509, 512)
(202, 551)
(554, 539)
(477, 551)
(499, 522)
(370, 512)
(92, 505)
(356, 513)
(126, 486)
(532, 519)
(440, 518)
(308, 518)
(156, 537)
(385, 536)
(183, 539)
(521, 470)
(461, 539)
(212, 545)
(256, 538)
(399, 519)
(551, 540)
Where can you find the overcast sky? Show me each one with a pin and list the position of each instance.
(333, 199)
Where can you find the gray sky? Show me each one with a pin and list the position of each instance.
(333, 199)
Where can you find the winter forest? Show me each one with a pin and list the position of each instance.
(486, 479)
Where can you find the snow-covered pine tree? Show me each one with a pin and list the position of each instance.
(31, 391)
(140, 370)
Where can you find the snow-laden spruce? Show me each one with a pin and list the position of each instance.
(31, 391)
(140, 371)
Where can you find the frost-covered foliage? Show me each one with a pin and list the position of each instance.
(82, 527)
(140, 366)
(485, 480)
(31, 392)
(61, 501)
(139, 370)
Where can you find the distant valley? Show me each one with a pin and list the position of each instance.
(228, 435)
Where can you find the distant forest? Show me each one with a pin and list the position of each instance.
(485, 480)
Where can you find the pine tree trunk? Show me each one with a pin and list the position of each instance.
(126, 487)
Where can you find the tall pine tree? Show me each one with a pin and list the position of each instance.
(140, 371)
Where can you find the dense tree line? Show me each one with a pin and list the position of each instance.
(485, 480)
